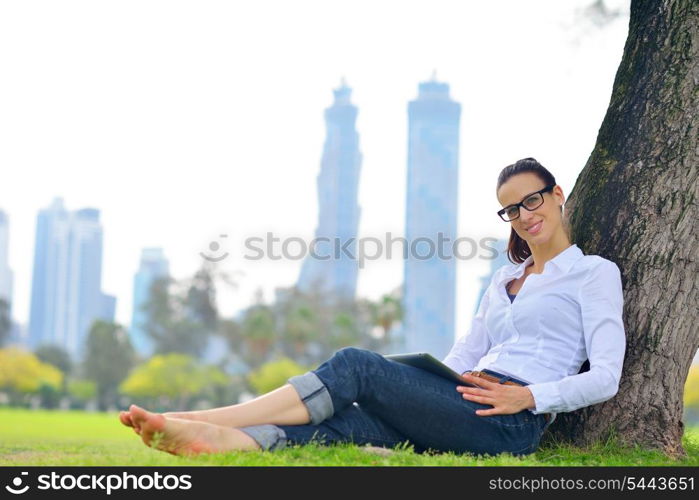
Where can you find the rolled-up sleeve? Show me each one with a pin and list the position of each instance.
(474, 344)
(602, 304)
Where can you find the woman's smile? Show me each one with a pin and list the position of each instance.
(536, 228)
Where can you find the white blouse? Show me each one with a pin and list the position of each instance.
(570, 312)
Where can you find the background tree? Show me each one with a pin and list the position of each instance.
(311, 326)
(108, 358)
(635, 203)
(57, 356)
(259, 332)
(344, 331)
(300, 328)
(201, 299)
(81, 391)
(175, 377)
(170, 322)
(351, 325)
(159, 312)
(232, 331)
(22, 373)
(274, 374)
(385, 313)
(299, 317)
(181, 316)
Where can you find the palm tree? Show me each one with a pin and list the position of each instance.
(387, 311)
(259, 332)
(300, 328)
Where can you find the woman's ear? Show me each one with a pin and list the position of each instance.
(558, 191)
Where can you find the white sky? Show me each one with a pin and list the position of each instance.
(182, 120)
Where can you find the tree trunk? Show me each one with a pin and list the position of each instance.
(635, 203)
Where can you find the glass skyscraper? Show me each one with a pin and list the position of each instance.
(500, 246)
(431, 220)
(331, 271)
(153, 265)
(66, 282)
(6, 277)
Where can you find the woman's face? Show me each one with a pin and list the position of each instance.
(535, 227)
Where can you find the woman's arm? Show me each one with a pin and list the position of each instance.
(602, 303)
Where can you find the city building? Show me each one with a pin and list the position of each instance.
(330, 270)
(153, 266)
(431, 220)
(499, 260)
(66, 295)
(6, 276)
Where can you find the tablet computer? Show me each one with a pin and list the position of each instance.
(427, 362)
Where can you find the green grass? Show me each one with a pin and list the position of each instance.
(78, 438)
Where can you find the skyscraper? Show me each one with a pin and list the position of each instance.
(6, 277)
(431, 220)
(500, 246)
(66, 282)
(153, 265)
(331, 270)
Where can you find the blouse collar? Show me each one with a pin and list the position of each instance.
(563, 261)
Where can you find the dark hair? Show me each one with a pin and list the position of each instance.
(517, 248)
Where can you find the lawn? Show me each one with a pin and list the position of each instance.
(78, 438)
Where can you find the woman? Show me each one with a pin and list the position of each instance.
(538, 321)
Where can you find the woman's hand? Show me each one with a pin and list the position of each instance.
(505, 399)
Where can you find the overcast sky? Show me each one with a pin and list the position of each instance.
(184, 120)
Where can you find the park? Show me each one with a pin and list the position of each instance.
(635, 203)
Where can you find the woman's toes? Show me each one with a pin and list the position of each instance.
(138, 415)
(126, 419)
(146, 424)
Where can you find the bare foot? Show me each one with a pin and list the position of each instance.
(187, 415)
(186, 437)
(125, 418)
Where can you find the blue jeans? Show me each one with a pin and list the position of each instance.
(359, 396)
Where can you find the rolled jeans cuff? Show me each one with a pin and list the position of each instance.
(314, 394)
(268, 436)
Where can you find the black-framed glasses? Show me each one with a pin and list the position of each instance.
(531, 202)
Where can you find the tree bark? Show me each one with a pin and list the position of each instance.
(635, 203)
